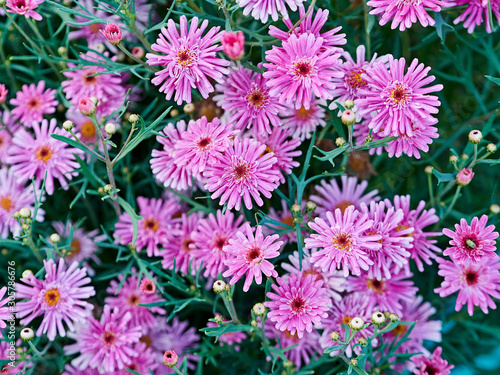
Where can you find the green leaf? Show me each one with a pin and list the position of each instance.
(252, 67)
(489, 161)
(380, 143)
(330, 155)
(494, 79)
(71, 142)
(334, 348)
(443, 177)
(135, 218)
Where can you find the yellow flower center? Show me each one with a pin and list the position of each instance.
(44, 153)
(52, 297)
(6, 204)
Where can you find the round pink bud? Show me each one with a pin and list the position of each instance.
(113, 33)
(147, 286)
(138, 52)
(464, 177)
(170, 358)
(3, 93)
(475, 137)
(233, 44)
(348, 117)
(86, 106)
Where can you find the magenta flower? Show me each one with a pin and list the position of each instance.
(5, 310)
(297, 304)
(211, 238)
(248, 254)
(423, 249)
(476, 283)
(433, 365)
(36, 156)
(202, 144)
(351, 194)
(302, 122)
(464, 176)
(342, 241)
(400, 99)
(154, 227)
(405, 13)
(233, 44)
(32, 102)
(189, 60)
(387, 294)
(300, 68)
(126, 297)
(244, 171)
(179, 247)
(3, 93)
(70, 370)
(25, 8)
(477, 13)
(283, 150)
(333, 282)
(105, 344)
(262, 9)
(13, 197)
(471, 242)
(60, 297)
(245, 97)
(162, 162)
(113, 33)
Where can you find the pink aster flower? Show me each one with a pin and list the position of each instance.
(244, 171)
(162, 162)
(3, 93)
(5, 310)
(105, 344)
(202, 144)
(351, 194)
(147, 286)
(189, 59)
(476, 283)
(400, 99)
(36, 156)
(180, 245)
(25, 8)
(262, 9)
(233, 44)
(13, 197)
(248, 254)
(395, 241)
(302, 122)
(211, 239)
(246, 99)
(405, 13)
(32, 102)
(126, 296)
(229, 338)
(304, 350)
(300, 68)
(154, 227)
(92, 81)
(471, 242)
(477, 12)
(60, 297)
(113, 33)
(423, 249)
(411, 145)
(433, 365)
(387, 294)
(342, 241)
(143, 363)
(464, 177)
(297, 304)
(333, 282)
(350, 306)
(284, 150)
(177, 336)
(312, 26)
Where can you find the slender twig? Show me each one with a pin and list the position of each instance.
(367, 32)
(117, 157)
(100, 157)
(431, 189)
(452, 203)
(309, 10)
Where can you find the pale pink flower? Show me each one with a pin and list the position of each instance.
(302, 122)
(233, 44)
(32, 102)
(5, 311)
(25, 8)
(262, 9)
(464, 176)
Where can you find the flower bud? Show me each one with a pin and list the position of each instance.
(453, 159)
(475, 137)
(356, 323)
(25, 213)
(27, 274)
(189, 108)
(3, 93)
(87, 106)
(353, 362)
(174, 113)
(311, 206)
(16, 215)
(110, 128)
(296, 208)
(147, 286)
(108, 188)
(62, 51)
(254, 323)
(170, 358)
(465, 156)
(495, 209)
(133, 118)
(218, 319)
(100, 190)
(27, 334)
(369, 138)
(348, 104)
(68, 125)
(340, 142)
(113, 33)
(393, 317)
(138, 52)
(55, 238)
(25, 227)
(348, 117)
(464, 177)
(233, 44)
(491, 148)
(335, 336)
(378, 318)
(363, 341)
(219, 286)
(429, 169)
(259, 309)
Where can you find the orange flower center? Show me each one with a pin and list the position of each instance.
(88, 131)
(343, 242)
(52, 297)
(44, 153)
(399, 330)
(151, 224)
(303, 114)
(378, 286)
(343, 205)
(6, 204)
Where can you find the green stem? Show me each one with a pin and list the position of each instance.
(431, 189)
(141, 37)
(455, 197)
(309, 10)
(228, 302)
(126, 52)
(37, 32)
(367, 32)
(349, 130)
(87, 147)
(117, 157)
(194, 7)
